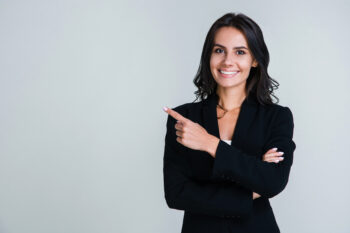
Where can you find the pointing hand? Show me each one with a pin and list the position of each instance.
(189, 133)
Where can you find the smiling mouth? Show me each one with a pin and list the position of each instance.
(228, 74)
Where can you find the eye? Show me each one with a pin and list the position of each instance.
(240, 52)
(218, 50)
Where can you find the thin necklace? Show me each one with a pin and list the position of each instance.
(225, 110)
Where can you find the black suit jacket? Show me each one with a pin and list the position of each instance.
(217, 193)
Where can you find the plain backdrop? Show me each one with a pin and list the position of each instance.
(82, 86)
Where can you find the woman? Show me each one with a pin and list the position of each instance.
(226, 155)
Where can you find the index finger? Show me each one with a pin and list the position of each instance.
(175, 114)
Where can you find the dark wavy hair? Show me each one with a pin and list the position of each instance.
(259, 84)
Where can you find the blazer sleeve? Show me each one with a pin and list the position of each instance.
(182, 193)
(267, 179)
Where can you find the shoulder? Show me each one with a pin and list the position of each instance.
(278, 117)
(275, 109)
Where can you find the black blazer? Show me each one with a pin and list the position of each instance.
(217, 193)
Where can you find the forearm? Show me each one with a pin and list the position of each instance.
(267, 179)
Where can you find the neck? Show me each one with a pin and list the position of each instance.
(230, 99)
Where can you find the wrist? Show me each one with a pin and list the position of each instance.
(212, 145)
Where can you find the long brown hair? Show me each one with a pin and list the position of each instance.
(259, 84)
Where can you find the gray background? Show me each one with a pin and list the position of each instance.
(82, 86)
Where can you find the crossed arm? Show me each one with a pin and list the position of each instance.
(219, 199)
(246, 172)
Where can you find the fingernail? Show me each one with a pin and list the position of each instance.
(281, 158)
(276, 160)
(165, 109)
(274, 148)
(281, 153)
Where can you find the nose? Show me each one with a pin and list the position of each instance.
(229, 59)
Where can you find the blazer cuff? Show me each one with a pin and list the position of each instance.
(223, 157)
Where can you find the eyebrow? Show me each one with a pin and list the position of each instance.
(238, 47)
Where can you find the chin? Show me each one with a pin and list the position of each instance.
(230, 84)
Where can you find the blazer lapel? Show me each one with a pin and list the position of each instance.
(210, 122)
(243, 124)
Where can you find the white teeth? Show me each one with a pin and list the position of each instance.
(224, 72)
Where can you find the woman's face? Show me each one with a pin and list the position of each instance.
(231, 59)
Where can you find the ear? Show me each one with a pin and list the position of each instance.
(255, 63)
